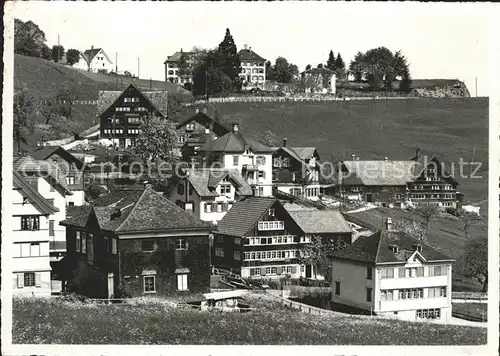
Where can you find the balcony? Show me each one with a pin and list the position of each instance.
(406, 304)
(250, 167)
(271, 225)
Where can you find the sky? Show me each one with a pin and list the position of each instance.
(440, 40)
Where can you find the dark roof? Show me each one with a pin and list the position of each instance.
(380, 173)
(205, 180)
(35, 198)
(235, 142)
(45, 152)
(89, 54)
(301, 154)
(205, 120)
(249, 55)
(176, 57)
(313, 221)
(29, 164)
(244, 215)
(78, 216)
(375, 249)
(319, 71)
(138, 210)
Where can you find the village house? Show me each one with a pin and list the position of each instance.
(253, 68)
(296, 171)
(195, 131)
(71, 168)
(121, 113)
(235, 151)
(94, 60)
(319, 80)
(46, 178)
(136, 242)
(208, 193)
(390, 273)
(422, 179)
(32, 215)
(179, 67)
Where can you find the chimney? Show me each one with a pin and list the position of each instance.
(418, 153)
(235, 128)
(386, 159)
(245, 46)
(388, 224)
(197, 110)
(92, 47)
(181, 50)
(115, 213)
(284, 141)
(353, 157)
(249, 48)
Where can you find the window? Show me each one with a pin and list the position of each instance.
(225, 189)
(114, 247)
(262, 175)
(148, 246)
(190, 127)
(84, 243)
(368, 294)
(208, 207)
(78, 242)
(261, 160)
(237, 255)
(428, 313)
(337, 288)
(71, 204)
(271, 212)
(420, 271)
(180, 188)
(29, 279)
(442, 292)
(30, 222)
(387, 273)
(149, 284)
(437, 271)
(90, 248)
(415, 293)
(369, 273)
(235, 160)
(70, 180)
(51, 227)
(401, 272)
(219, 252)
(182, 282)
(237, 240)
(181, 244)
(386, 295)
(34, 249)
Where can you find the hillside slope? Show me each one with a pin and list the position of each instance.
(450, 128)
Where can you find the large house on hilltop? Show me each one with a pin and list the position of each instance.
(390, 273)
(422, 179)
(135, 242)
(296, 171)
(179, 67)
(235, 151)
(209, 193)
(94, 60)
(253, 68)
(121, 112)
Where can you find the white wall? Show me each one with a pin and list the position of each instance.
(100, 62)
(46, 190)
(353, 284)
(251, 159)
(43, 290)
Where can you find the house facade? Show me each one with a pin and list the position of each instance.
(257, 238)
(121, 113)
(235, 151)
(95, 60)
(296, 171)
(319, 80)
(253, 68)
(422, 179)
(72, 169)
(179, 67)
(209, 193)
(390, 273)
(135, 242)
(33, 217)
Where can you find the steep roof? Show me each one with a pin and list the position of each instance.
(89, 54)
(176, 57)
(35, 198)
(235, 142)
(249, 55)
(244, 215)
(136, 210)
(205, 120)
(320, 221)
(301, 154)
(319, 71)
(45, 152)
(204, 180)
(375, 249)
(379, 172)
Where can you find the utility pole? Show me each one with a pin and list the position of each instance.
(138, 68)
(116, 70)
(476, 87)
(206, 85)
(58, 49)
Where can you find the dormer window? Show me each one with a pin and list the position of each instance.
(271, 212)
(394, 248)
(190, 127)
(417, 247)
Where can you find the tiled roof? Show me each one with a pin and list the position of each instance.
(380, 173)
(244, 215)
(320, 221)
(45, 152)
(299, 153)
(205, 120)
(159, 99)
(320, 71)
(35, 198)
(249, 55)
(106, 98)
(78, 216)
(27, 164)
(91, 53)
(177, 56)
(235, 142)
(375, 249)
(204, 180)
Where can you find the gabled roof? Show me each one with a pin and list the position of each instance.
(35, 198)
(45, 152)
(205, 180)
(157, 98)
(249, 55)
(320, 221)
(379, 173)
(235, 142)
(136, 210)
(89, 54)
(319, 71)
(375, 249)
(176, 57)
(300, 154)
(244, 215)
(205, 120)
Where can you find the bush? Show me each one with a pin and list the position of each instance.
(452, 211)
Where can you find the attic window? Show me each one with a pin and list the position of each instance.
(271, 212)
(394, 248)
(418, 247)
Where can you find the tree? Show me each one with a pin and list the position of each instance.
(308, 67)
(468, 221)
(270, 71)
(57, 53)
(413, 228)
(282, 70)
(339, 66)
(320, 65)
(330, 63)
(25, 108)
(317, 253)
(268, 138)
(29, 39)
(428, 212)
(474, 262)
(210, 79)
(357, 67)
(229, 59)
(72, 56)
(405, 84)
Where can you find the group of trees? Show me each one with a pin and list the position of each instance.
(282, 71)
(333, 63)
(380, 68)
(30, 40)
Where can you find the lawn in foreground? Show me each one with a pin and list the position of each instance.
(59, 322)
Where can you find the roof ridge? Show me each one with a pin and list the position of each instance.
(379, 232)
(37, 194)
(273, 200)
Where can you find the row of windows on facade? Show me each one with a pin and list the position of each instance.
(413, 293)
(252, 64)
(433, 187)
(259, 160)
(308, 192)
(130, 109)
(254, 77)
(31, 249)
(266, 240)
(271, 255)
(405, 272)
(254, 70)
(269, 271)
(32, 223)
(149, 283)
(29, 279)
(432, 196)
(130, 120)
(123, 131)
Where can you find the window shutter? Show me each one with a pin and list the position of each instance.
(38, 279)
(278, 271)
(187, 245)
(263, 271)
(20, 280)
(294, 269)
